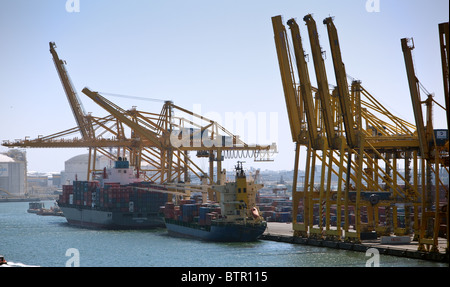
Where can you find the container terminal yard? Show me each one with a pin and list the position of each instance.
(358, 199)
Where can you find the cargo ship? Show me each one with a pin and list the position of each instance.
(235, 218)
(117, 199)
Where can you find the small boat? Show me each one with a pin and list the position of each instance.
(2, 260)
(52, 211)
(35, 207)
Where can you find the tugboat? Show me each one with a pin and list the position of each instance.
(235, 218)
(55, 210)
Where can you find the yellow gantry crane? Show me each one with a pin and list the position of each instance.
(444, 43)
(156, 144)
(431, 153)
(83, 120)
(376, 193)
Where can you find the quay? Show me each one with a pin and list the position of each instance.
(282, 232)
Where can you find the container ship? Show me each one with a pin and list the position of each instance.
(119, 199)
(235, 218)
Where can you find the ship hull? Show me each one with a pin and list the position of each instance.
(101, 219)
(216, 232)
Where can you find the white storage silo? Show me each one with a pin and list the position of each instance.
(12, 176)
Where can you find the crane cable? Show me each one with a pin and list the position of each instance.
(132, 97)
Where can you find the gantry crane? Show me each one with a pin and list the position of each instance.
(83, 120)
(372, 189)
(444, 42)
(430, 153)
(149, 140)
(306, 94)
(298, 100)
(152, 156)
(346, 111)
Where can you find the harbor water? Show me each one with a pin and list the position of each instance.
(32, 240)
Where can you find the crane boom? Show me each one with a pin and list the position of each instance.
(444, 43)
(341, 80)
(322, 82)
(415, 97)
(284, 62)
(119, 114)
(305, 83)
(74, 101)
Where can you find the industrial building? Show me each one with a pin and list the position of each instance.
(75, 168)
(12, 175)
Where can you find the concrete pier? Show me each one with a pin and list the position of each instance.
(282, 232)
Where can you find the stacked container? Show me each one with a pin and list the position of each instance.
(64, 198)
(188, 211)
(113, 196)
(203, 211)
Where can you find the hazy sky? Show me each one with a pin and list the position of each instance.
(216, 55)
